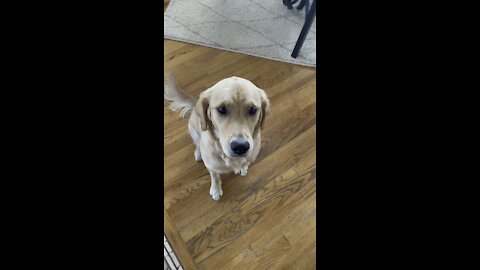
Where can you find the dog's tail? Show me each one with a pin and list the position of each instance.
(179, 100)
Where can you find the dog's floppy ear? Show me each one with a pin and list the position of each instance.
(265, 108)
(202, 110)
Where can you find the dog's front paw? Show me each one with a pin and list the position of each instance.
(243, 172)
(197, 155)
(216, 192)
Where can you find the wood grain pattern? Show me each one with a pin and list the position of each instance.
(267, 219)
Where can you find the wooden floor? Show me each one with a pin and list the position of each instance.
(267, 219)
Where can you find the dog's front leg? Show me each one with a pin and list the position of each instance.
(216, 186)
(244, 168)
(244, 171)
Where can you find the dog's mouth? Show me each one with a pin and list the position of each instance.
(230, 154)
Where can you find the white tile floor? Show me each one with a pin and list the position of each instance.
(170, 261)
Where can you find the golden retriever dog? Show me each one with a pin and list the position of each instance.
(225, 125)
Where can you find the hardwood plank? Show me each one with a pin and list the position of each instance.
(307, 261)
(239, 262)
(248, 238)
(294, 220)
(297, 253)
(177, 243)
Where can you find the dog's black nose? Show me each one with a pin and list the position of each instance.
(240, 146)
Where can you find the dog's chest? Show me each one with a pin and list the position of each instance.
(237, 165)
(217, 161)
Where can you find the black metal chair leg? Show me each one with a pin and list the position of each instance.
(305, 29)
(302, 4)
(288, 3)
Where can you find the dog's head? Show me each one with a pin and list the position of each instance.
(234, 109)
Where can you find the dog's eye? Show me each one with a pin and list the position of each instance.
(253, 110)
(222, 110)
